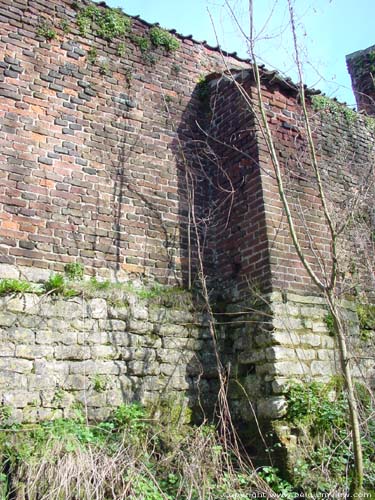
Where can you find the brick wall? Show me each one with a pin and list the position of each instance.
(251, 237)
(361, 66)
(90, 163)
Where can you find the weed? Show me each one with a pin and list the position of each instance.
(104, 69)
(142, 42)
(319, 415)
(14, 286)
(46, 30)
(64, 26)
(203, 89)
(176, 68)
(100, 383)
(57, 285)
(366, 317)
(95, 284)
(162, 38)
(149, 58)
(128, 77)
(74, 270)
(92, 55)
(106, 23)
(271, 476)
(66, 458)
(330, 324)
(121, 49)
(324, 103)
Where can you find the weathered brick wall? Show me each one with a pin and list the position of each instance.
(345, 155)
(361, 66)
(236, 222)
(90, 163)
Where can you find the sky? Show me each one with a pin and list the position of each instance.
(327, 31)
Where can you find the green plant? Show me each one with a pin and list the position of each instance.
(95, 284)
(64, 26)
(330, 323)
(324, 103)
(74, 270)
(203, 89)
(8, 285)
(132, 417)
(104, 69)
(366, 317)
(175, 69)
(55, 283)
(105, 22)
(162, 38)
(99, 383)
(128, 77)
(319, 413)
(271, 476)
(121, 49)
(92, 55)
(142, 42)
(46, 30)
(149, 58)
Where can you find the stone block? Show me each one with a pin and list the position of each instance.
(7, 350)
(7, 319)
(12, 380)
(138, 326)
(285, 338)
(27, 303)
(41, 382)
(115, 325)
(93, 338)
(121, 339)
(84, 325)
(8, 271)
(20, 335)
(290, 368)
(34, 274)
(105, 352)
(20, 398)
(138, 308)
(323, 368)
(15, 365)
(98, 309)
(72, 352)
(76, 383)
(58, 369)
(311, 340)
(280, 353)
(273, 407)
(33, 352)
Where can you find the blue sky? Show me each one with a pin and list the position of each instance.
(327, 29)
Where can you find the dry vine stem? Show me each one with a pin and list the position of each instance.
(327, 284)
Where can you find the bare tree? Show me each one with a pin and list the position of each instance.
(326, 276)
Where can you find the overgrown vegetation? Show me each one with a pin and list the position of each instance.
(337, 109)
(318, 415)
(71, 284)
(130, 455)
(366, 317)
(106, 23)
(162, 38)
(46, 30)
